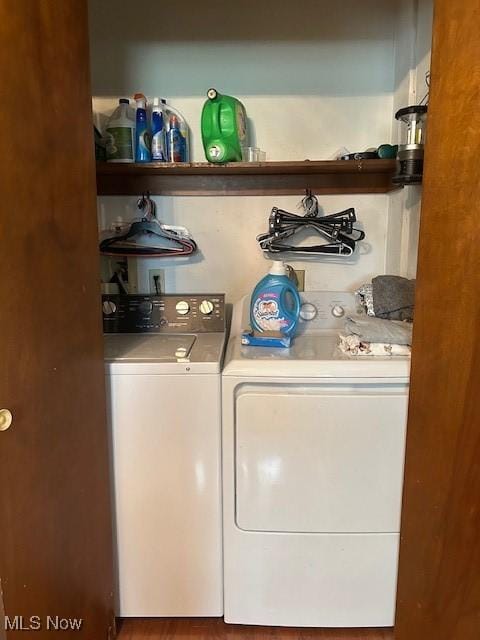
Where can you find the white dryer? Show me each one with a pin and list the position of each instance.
(313, 456)
(163, 361)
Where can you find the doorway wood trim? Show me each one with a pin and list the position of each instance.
(439, 572)
(3, 632)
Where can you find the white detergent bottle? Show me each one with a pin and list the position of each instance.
(275, 303)
(120, 133)
(158, 131)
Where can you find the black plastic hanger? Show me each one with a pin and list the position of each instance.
(337, 228)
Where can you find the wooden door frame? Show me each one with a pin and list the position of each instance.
(439, 571)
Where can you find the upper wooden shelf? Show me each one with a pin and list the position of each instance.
(247, 178)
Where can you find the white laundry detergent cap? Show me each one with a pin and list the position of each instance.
(140, 100)
(278, 269)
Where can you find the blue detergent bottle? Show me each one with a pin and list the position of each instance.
(275, 303)
(143, 150)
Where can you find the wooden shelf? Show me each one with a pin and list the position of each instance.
(247, 178)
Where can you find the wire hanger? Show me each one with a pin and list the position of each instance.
(336, 228)
(427, 82)
(148, 237)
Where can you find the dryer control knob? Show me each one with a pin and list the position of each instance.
(182, 307)
(308, 311)
(109, 307)
(206, 307)
(338, 311)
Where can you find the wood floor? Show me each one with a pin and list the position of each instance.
(216, 629)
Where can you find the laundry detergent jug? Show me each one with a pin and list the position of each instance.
(224, 128)
(275, 303)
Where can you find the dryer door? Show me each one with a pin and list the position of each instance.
(320, 458)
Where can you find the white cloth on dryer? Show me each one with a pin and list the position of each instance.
(352, 345)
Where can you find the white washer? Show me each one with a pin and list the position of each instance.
(165, 414)
(313, 456)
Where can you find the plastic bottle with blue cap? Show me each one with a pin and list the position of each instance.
(275, 307)
(143, 150)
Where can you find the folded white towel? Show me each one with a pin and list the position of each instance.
(353, 346)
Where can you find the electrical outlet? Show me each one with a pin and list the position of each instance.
(300, 273)
(156, 276)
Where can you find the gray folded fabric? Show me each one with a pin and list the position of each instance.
(379, 330)
(393, 297)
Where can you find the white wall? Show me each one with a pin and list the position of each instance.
(314, 76)
(248, 47)
(291, 127)
(230, 260)
(412, 61)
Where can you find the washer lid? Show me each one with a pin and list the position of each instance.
(137, 347)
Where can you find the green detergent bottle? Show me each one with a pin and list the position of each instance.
(224, 128)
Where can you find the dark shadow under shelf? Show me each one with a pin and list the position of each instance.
(247, 178)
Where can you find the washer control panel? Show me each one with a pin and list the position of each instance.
(168, 313)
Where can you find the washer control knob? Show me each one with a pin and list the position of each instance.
(182, 307)
(163, 322)
(109, 307)
(308, 311)
(145, 307)
(338, 311)
(206, 307)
